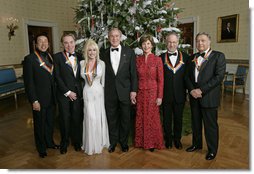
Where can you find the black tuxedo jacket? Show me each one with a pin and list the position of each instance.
(210, 77)
(39, 83)
(125, 81)
(65, 78)
(174, 84)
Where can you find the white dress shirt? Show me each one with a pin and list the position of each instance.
(73, 64)
(173, 58)
(115, 58)
(200, 59)
(74, 68)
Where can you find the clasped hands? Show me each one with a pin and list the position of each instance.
(196, 93)
(72, 96)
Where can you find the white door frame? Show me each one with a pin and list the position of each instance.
(55, 38)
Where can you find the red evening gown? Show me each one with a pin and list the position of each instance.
(148, 127)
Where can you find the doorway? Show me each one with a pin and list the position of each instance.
(41, 26)
(187, 35)
(33, 31)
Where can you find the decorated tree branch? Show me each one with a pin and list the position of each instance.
(134, 18)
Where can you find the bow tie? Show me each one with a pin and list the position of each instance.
(114, 49)
(172, 54)
(74, 55)
(201, 54)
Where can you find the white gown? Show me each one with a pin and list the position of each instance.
(95, 126)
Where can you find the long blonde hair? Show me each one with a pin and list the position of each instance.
(89, 43)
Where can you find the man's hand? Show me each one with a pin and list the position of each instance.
(133, 97)
(36, 106)
(158, 101)
(72, 96)
(199, 92)
(196, 93)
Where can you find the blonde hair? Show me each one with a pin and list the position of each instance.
(90, 43)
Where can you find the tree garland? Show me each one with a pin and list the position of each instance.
(134, 17)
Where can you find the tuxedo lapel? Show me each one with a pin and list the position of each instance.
(177, 59)
(78, 68)
(108, 61)
(164, 58)
(44, 63)
(193, 66)
(67, 65)
(205, 63)
(122, 59)
(167, 59)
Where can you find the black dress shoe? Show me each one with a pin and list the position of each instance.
(54, 146)
(193, 148)
(43, 154)
(151, 149)
(77, 148)
(111, 148)
(168, 145)
(63, 150)
(178, 144)
(210, 156)
(125, 148)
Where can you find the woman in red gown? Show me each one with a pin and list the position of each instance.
(148, 128)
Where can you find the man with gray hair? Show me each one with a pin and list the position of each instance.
(204, 77)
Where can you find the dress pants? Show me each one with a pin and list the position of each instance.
(70, 122)
(118, 116)
(172, 117)
(43, 128)
(209, 117)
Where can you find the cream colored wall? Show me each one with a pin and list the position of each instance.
(207, 13)
(59, 12)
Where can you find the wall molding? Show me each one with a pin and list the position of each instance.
(237, 61)
(12, 65)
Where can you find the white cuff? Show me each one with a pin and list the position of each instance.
(67, 93)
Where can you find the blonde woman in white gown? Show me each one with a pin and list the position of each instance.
(95, 126)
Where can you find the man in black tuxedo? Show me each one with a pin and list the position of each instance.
(69, 93)
(40, 90)
(203, 80)
(174, 62)
(120, 89)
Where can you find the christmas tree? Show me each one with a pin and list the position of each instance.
(134, 18)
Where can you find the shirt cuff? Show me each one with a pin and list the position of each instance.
(67, 93)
